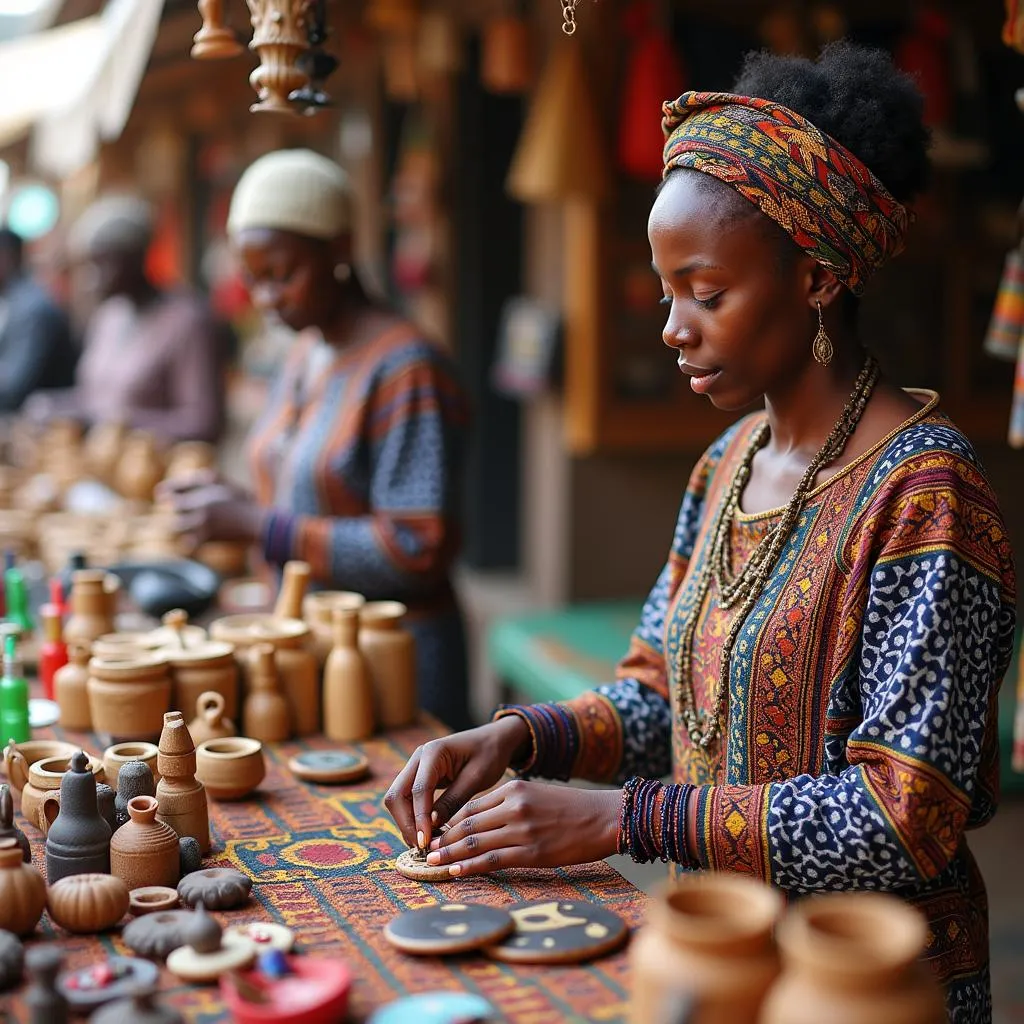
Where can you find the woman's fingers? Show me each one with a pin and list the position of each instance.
(398, 799)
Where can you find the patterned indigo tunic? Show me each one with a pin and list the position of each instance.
(861, 741)
(359, 454)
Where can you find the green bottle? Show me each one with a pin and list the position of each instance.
(17, 599)
(13, 696)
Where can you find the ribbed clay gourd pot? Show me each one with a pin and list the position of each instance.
(145, 851)
(88, 903)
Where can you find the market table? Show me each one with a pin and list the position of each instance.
(322, 862)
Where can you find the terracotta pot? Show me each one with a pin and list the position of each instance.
(119, 753)
(390, 654)
(22, 891)
(128, 695)
(44, 780)
(316, 612)
(70, 688)
(853, 958)
(87, 903)
(210, 722)
(707, 937)
(19, 757)
(230, 768)
(204, 668)
(145, 851)
(93, 602)
(296, 664)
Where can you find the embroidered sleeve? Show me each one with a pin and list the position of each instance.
(922, 765)
(414, 432)
(624, 729)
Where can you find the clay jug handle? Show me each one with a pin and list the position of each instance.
(49, 808)
(16, 766)
(210, 706)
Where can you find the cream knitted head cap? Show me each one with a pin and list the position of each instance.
(293, 190)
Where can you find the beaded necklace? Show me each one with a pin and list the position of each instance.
(746, 586)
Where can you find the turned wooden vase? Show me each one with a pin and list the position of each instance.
(390, 653)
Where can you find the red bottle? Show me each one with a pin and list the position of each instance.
(53, 653)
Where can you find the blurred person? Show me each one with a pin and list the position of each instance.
(36, 348)
(152, 359)
(357, 459)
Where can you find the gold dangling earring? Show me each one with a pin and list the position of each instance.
(821, 347)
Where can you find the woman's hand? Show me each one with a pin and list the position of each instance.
(529, 824)
(209, 508)
(464, 764)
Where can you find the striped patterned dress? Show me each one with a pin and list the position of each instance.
(861, 741)
(359, 455)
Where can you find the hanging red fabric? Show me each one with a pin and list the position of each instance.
(924, 55)
(654, 73)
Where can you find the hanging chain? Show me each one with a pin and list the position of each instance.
(569, 16)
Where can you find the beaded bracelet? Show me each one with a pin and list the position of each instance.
(554, 739)
(652, 822)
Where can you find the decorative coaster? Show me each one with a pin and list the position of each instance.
(549, 932)
(148, 899)
(448, 928)
(264, 935)
(436, 1008)
(414, 866)
(234, 953)
(114, 978)
(327, 766)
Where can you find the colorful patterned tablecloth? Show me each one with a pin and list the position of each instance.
(322, 861)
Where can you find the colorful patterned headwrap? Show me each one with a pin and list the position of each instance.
(813, 187)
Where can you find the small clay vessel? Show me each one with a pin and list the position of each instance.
(19, 757)
(348, 691)
(190, 856)
(390, 653)
(70, 688)
(265, 713)
(708, 936)
(12, 959)
(93, 600)
(87, 903)
(114, 757)
(854, 958)
(198, 667)
(176, 633)
(230, 768)
(294, 584)
(317, 609)
(152, 899)
(134, 780)
(46, 1004)
(181, 796)
(22, 891)
(105, 799)
(128, 695)
(141, 1008)
(210, 722)
(145, 851)
(78, 841)
(8, 830)
(40, 799)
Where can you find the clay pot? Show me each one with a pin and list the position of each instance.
(145, 851)
(93, 602)
(204, 668)
(44, 782)
(121, 753)
(22, 891)
(140, 468)
(88, 903)
(128, 695)
(296, 664)
(230, 768)
(120, 644)
(181, 796)
(390, 654)
(266, 715)
(19, 757)
(78, 840)
(348, 691)
(316, 611)
(70, 688)
(853, 958)
(135, 779)
(707, 937)
(210, 722)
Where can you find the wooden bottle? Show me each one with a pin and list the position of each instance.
(265, 713)
(348, 691)
(294, 584)
(181, 796)
(71, 688)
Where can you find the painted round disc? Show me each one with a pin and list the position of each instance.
(448, 928)
(435, 1008)
(329, 765)
(264, 935)
(553, 932)
(42, 712)
(117, 977)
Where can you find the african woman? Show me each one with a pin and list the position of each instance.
(819, 660)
